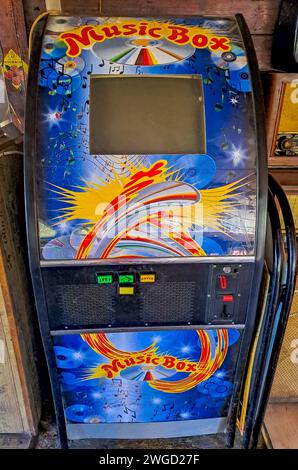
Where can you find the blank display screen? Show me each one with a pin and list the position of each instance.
(146, 115)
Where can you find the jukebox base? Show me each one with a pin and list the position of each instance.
(195, 427)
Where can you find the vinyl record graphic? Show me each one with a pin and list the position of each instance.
(198, 169)
(70, 66)
(235, 64)
(233, 60)
(78, 413)
(216, 388)
(67, 358)
(141, 51)
(239, 80)
(93, 419)
(58, 248)
(52, 47)
(62, 23)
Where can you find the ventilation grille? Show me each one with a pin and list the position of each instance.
(84, 304)
(168, 302)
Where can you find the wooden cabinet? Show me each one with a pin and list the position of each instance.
(281, 99)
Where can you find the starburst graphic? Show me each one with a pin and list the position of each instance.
(238, 155)
(234, 100)
(146, 211)
(185, 415)
(53, 118)
(156, 401)
(186, 348)
(156, 339)
(77, 355)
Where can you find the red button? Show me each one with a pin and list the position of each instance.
(223, 282)
(227, 298)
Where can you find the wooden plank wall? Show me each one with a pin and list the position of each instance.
(14, 38)
(20, 403)
(260, 15)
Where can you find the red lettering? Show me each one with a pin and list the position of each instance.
(130, 29)
(74, 40)
(219, 44)
(178, 34)
(112, 369)
(148, 359)
(180, 365)
(190, 367)
(153, 34)
(129, 362)
(140, 359)
(111, 31)
(155, 361)
(95, 36)
(169, 362)
(200, 40)
(143, 29)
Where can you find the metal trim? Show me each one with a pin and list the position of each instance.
(145, 328)
(31, 223)
(148, 261)
(261, 226)
(146, 430)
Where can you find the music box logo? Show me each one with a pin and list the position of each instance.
(200, 38)
(156, 368)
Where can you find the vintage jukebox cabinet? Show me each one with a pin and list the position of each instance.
(146, 201)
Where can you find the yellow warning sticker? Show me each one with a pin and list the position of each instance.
(15, 69)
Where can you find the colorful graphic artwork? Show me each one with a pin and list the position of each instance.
(142, 206)
(148, 376)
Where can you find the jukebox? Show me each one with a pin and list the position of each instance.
(146, 201)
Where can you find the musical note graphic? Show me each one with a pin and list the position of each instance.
(116, 69)
(84, 80)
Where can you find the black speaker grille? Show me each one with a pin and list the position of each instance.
(168, 302)
(84, 304)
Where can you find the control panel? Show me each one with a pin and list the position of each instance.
(147, 295)
(227, 293)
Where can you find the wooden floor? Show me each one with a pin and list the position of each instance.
(281, 426)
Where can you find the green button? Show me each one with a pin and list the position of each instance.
(104, 278)
(126, 278)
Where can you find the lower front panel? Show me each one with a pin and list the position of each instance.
(146, 384)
